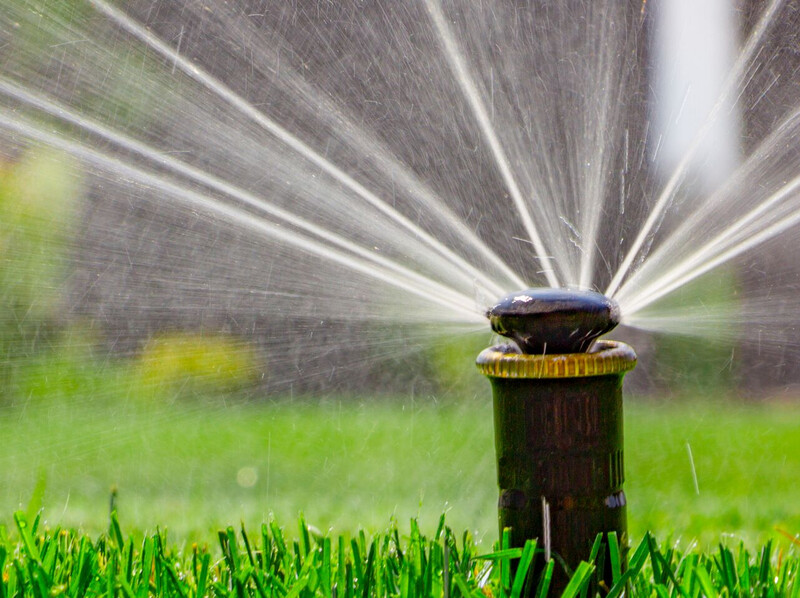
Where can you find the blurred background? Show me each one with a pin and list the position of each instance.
(147, 362)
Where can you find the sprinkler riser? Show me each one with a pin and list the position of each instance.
(558, 424)
(561, 441)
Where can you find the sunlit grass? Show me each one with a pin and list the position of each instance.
(706, 468)
(82, 440)
(269, 562)
(193, 463)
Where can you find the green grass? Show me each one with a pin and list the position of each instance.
(43, 563)
(82, 440)
(347, 463)
(746, 458)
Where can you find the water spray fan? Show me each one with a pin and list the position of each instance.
(558, 424)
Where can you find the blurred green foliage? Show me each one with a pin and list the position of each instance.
(38, 200)
(181, 363)
(68, 371)
(451, 360)
(43, 353)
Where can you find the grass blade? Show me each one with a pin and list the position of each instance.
(505, 563)
(325, 568)
(3, 554)
(148, 549)
(525, 561)
(544, 582)
(614, 557)
(764, 568)
(368, 572)
(703, 579)
(247, 549)
(202, 578)
(795, 585)
(637, 561)
(596, 546)
(126, 588)
(497, 555)
(579, 579)
(27, 539)
(462, 586)
(115, 531)
(298, 587)
(727, 568)
(341, 569)
(304, 536)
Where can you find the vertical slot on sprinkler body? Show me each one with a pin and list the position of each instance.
(559, 444)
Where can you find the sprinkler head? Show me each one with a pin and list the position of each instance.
(546, 320)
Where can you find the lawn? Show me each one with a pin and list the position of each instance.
(194, 465)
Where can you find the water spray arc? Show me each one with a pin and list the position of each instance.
(558, 422)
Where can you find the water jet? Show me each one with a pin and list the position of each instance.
(558, 422)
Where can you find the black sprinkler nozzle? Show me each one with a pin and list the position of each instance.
(558, 426)
(545, 320)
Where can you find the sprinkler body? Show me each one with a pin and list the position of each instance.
(559, 433)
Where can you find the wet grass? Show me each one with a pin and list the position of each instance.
(702, 469)
(193, 465)
(40, 562)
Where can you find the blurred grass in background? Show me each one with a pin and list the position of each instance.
(348, 462)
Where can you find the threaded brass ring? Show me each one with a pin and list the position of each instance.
(606, 358)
